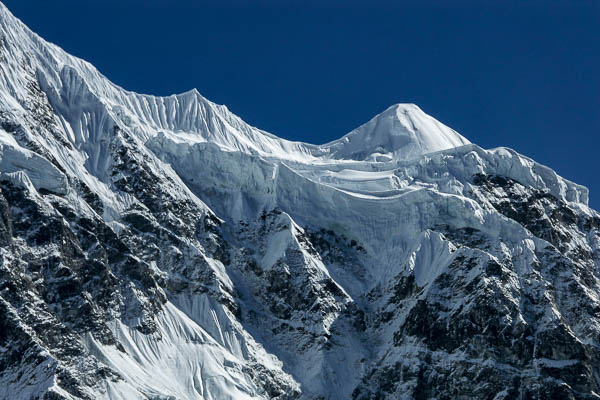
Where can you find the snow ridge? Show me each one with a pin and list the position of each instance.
(402, 131)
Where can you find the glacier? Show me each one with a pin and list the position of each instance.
(163, 248)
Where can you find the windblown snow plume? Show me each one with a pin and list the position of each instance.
(162, 248)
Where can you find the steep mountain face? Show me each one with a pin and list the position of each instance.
(161, 248)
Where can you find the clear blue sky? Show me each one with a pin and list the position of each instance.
(520, 74)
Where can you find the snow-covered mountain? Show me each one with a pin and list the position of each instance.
(162, 248)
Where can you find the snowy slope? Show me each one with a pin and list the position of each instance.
(160, 247)
(402, 131)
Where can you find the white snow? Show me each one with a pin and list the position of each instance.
(184, 362)
(402, 131)
(23, 167)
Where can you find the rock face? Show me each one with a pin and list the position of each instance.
(161, 248)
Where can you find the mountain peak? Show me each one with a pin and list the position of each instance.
(402, 131)
(402, 107)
